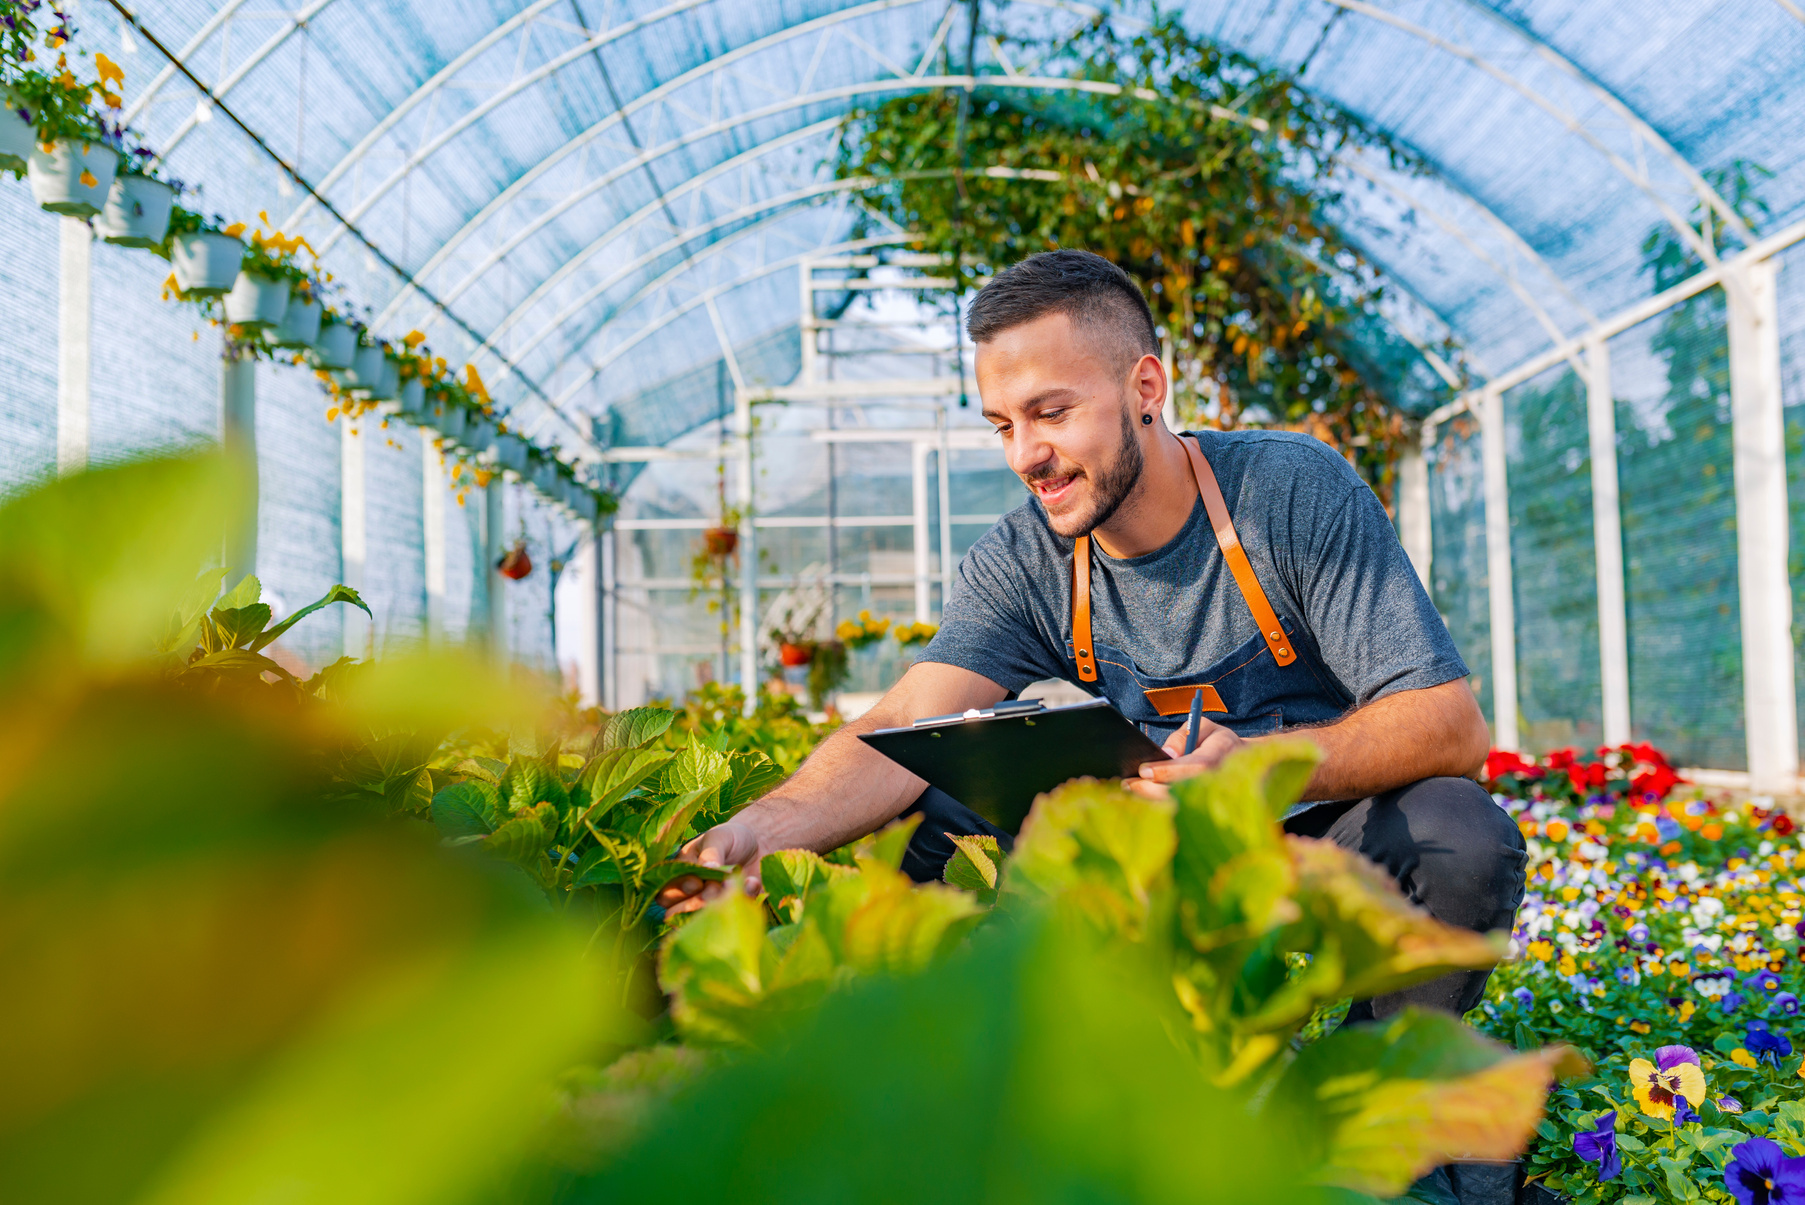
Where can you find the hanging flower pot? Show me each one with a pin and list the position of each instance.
(479, 435)
(365, 371)
(411, 401)
(300, 325)
(721, 542)
(336, 346)
(205, 263)
(17, 138)
(546, 478)
(510, 453)
(515, 564)
(73, 178)
(793, 655)
(451, 420)
(584, 502)
(257, 301)
(136, 213)
(388, 384)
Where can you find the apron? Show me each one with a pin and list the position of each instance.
(1276, 679)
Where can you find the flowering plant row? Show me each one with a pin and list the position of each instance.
(1659, 936)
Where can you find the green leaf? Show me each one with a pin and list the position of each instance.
(238, 626)
(523, 839)
(239, 661)
(676, 868)
(634, 728)
(789, 875)
(529, 781)
(339, 593)
(887, 846)
(184, 627)
(712, 969)
(465, 809)
(595, 867)
(976, 866)
(610, 777)
(691, 782)
(1105, 850)
(248, 590)
(751, 774)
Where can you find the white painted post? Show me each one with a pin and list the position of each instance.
(75, 329)
(433, 490)
(609, 656)
(1498, 571)
(1607, 541)
(238, 436)
(943, 462)
(494, 584)
(748, 549)
(1769, 710)
(1413, 507)
(918, 493)
(353, 535)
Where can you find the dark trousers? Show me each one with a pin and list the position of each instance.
(1453, 852)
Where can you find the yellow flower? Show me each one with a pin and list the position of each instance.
(1566, 965)
(1687, 1008)
(1678, 968)
(235, 230)
(1639, 1026)
(109, 70)
(1539, 950)
(414, 338)
(1655, 1089)
(87, 179)
(1743, 1058)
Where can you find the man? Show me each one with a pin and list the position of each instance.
(1254, 567)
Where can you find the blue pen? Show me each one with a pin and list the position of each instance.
(1196, 722)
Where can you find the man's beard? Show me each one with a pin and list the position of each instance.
(1109, 488)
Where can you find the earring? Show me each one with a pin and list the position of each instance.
(1146, 420)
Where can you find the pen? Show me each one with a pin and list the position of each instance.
(1196, 722)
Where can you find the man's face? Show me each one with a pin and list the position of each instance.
(1068, 417)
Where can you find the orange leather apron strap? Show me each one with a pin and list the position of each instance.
(1176, 700)
(1081, 610)
(1236, 556)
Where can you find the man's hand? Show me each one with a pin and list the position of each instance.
(732, 843)
(1214, 743)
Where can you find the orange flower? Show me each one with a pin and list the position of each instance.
(1712, 832)
(87, 179)
(1557, 830)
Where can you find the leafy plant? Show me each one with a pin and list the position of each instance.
(222, 636)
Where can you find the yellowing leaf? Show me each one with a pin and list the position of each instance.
(1102, 849)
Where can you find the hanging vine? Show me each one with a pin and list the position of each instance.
(1205, 177)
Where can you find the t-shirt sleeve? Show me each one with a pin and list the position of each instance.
(1372, 620)
(986, 625)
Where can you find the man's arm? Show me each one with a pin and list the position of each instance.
(844, 790)
(1437, 731)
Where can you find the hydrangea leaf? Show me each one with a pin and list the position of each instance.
(610, 777)
(1101, 848)
(691, 782)
(790, 875)
(524, 838)
(466, 809)
(887, 846)
(339, 593)
(1235, 808)
(634, 728)
(976, 866)
(712, 969)
(530, 781)
(878, 921)
(751, 774)
(236, 627)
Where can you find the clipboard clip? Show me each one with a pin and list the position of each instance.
(1000, 711)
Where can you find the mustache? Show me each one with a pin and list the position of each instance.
(1049, 472)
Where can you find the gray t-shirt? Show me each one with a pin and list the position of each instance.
(1320, 544)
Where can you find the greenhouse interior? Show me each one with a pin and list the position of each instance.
(459, 461)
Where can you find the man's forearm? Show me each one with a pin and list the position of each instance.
(844, 790)
(1401, 739)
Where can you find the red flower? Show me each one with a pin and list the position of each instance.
(1783, 824)
(1560, 759)
(1500, 762)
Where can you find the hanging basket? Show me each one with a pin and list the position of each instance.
(205, 264)
(411, 400)
(721, 542)
(510, 453)
(388, 381)
(300, 325)
(584, 502)
(17, 138)
(136, 213)
(793, 655)
(336, 346)
(479, 435)
(451, 421)
(257, 302)
(364, 375)
(515, 563)
(59, 177)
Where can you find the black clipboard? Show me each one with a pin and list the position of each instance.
(995, 761)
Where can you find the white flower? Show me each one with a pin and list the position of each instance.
(1785, 933)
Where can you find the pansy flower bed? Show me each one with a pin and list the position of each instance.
(1660, 936)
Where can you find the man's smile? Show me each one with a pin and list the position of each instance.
(1052, 490)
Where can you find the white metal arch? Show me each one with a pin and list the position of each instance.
(212, 26)
(1706, 194)
(296, 22)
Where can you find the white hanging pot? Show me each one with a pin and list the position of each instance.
(257, 301)
(388, 385)
(450, 420)
(136, 213)
(412, 399)
(336, 345)
(545, 479)
(60, 175)
(479, 435)
(510, 453)
(365, 370)
(17, 137)
(585, 504)
(205, 264)
(300, 325)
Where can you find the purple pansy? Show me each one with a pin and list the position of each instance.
(1767, 1045)
(1638, 933)
(1764, 979)
(1669, 1057)
(1524, 997)
(1760, 1173)
(1733, 1001)
(1599, 1145)
(1729, 1104)
(1787, 1003)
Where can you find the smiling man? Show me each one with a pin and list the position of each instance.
(1252, 567)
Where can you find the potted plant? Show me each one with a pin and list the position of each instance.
(77, 153)
(139, 204)
(449, 416)
(18, 137)
(271, 271)
(515, 564)
(301, 321)
(203, 258)
(364, 374)
(336, 346)
(510, 452)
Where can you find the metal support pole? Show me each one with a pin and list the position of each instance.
(748, 549)
(75, 329)
(1769, 709)
(1607, 541)
(1498, 572)
(433, 491)
(353, 534)
(494, 584)
(943, 463)
(609, 656)
(1413, 507)
(238, 435)
(918, 493)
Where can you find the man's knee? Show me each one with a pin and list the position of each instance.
(1453, 849)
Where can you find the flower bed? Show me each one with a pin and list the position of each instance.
(1659, 935)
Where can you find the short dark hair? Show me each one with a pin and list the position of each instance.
(1080, 284)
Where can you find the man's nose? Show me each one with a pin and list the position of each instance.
(1028, 452)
